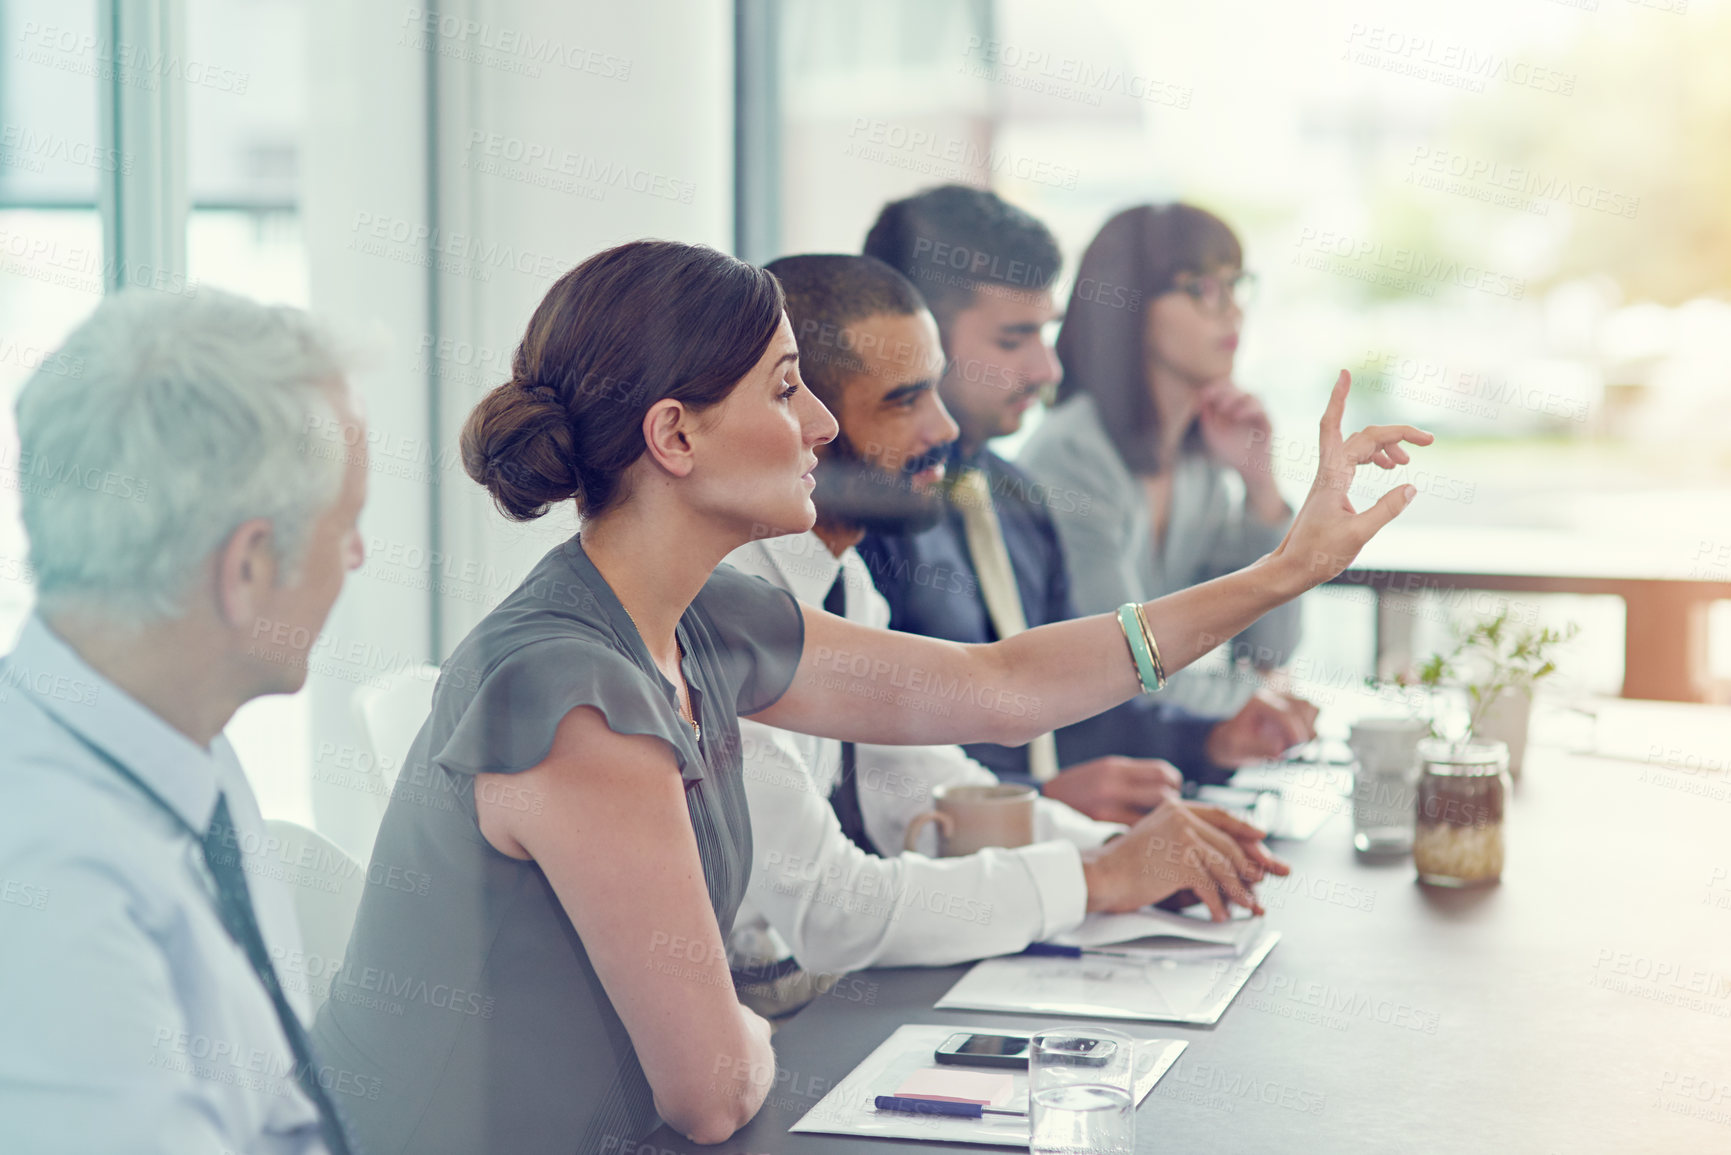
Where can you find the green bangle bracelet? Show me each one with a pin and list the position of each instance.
(1153, 647)
(1132, 627)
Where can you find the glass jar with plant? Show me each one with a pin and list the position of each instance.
(1464, 782)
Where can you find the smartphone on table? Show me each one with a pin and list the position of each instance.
(963, 1049)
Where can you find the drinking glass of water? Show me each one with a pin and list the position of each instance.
(1385, 783)
(1081, 1092)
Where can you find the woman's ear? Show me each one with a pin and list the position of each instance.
(665, 431)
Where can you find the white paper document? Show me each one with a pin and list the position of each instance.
(1154, 929)
(1157, 988)
(848, 1108)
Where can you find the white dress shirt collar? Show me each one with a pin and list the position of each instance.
(51, 673)
(800, 563)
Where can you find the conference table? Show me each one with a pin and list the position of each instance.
(1582, 1005)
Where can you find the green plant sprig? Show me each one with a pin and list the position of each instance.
(1504, 656)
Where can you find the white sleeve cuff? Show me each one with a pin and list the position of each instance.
(1056, 868)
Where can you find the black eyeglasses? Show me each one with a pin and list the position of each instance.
(1212, 292)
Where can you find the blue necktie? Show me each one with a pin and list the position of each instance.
(234, 902)
(844, 799)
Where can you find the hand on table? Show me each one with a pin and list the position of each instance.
(1269, 724)
(1181, 848)
(1116, 788)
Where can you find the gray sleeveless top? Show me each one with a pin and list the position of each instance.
(467, 1014)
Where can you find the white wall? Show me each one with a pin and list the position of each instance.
(644, 97)
(616, 96)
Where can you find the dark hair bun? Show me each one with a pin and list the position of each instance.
(520, 444)
(626, 328)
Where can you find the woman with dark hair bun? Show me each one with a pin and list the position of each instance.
(1174, 457)
(538, 963)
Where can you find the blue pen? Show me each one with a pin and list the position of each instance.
(937, 1107)
(1058, 950)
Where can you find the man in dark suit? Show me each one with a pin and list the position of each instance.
(993, 564)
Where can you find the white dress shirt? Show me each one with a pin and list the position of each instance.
(129, 1020)
(815, 895)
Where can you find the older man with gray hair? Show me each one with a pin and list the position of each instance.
(188, 541)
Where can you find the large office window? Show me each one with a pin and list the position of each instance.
(244, 147)
(873, 106)
(1506, 221)
(242, 76)
(51, 258)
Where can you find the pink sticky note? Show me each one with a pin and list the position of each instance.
(948, 1085)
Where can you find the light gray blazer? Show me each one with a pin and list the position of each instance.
(1108, 538)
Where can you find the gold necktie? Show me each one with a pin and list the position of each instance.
(985, 536)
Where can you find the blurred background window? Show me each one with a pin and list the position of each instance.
(244, 78)
(243, 135)
(1508, 221)
(51, 259)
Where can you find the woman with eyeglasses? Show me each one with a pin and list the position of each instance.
(538, 963)
(1174, 459)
